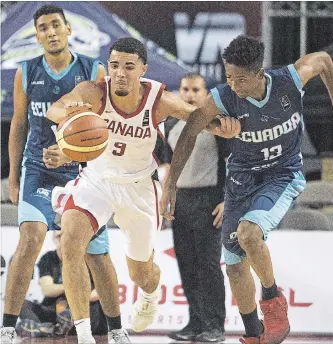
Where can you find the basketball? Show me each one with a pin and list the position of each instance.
(83, 137)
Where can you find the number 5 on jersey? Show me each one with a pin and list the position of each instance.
(120, 149)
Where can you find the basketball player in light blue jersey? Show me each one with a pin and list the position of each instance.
(264, 177)
(39, 83)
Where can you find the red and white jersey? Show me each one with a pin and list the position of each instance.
(132, 137)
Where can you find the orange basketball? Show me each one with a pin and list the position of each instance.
(83, 137)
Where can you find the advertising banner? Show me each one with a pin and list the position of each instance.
(302, 265)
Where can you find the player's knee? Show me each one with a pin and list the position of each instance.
(235, 272)
(76, 235)
(248, 234)
(31, 239)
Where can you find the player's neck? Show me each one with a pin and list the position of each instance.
(130, 103)
(58, 62)
(260, 92)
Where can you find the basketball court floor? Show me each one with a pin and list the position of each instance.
(166, 340)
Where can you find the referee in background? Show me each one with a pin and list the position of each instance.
(198, 219)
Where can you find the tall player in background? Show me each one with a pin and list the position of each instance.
(38, 83)
(121, 180)
(264, 177)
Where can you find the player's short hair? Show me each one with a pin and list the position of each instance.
(245, 52)
(192, 75)
(130, 45)
(48, 9)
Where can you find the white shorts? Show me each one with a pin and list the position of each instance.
(135, 207)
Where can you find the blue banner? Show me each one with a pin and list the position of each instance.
(94, 30)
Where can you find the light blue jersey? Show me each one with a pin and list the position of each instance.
(43, 88)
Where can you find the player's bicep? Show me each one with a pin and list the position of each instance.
(171, 105)
(20, 99)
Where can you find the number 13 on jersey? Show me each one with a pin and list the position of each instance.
(272, 153)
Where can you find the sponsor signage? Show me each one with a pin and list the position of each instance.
(300, 269)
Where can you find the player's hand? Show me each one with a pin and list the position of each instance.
(74, 108)
(14, 190)
(168, 201)
(230, 127)
(218, 211)
(53, 157)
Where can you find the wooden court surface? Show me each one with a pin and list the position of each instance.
(166, 340)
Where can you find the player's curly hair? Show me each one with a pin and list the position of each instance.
(245, 52)
(48, 9)
(130, 45)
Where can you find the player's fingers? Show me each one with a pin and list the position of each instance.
(53, 147)
(51, 164)
(215, 211)
(233, 124)
(237, 127)
(14, 201)
(218, 219)
(228, 124)
(52, 153)
(163, 207)
(14, 196)
(223, 124)
(168, 214)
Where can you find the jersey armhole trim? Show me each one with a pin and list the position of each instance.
(95, 69)
(24, 76)
(153, 115)
(295, 76)
(218, 101)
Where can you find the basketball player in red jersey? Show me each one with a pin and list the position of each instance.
(121, 180)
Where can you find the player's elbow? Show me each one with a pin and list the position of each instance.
(327, 62)
(323, 62)
(325, 56)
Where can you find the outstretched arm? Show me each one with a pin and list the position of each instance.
(196, 122)
(314, 64)
(172, 105)
(85, 96)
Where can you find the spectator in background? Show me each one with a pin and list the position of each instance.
(197, 224)
(54, 308)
